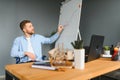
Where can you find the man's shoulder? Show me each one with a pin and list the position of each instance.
(34, 35)
(19, 37)
(37, 35)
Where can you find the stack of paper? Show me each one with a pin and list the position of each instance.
(43, 65)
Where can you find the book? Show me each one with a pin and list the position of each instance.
(43, 65)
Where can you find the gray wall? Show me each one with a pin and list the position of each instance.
(101, 17)
(43, 13)
(8, 31)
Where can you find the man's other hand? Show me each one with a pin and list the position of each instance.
(30, 55)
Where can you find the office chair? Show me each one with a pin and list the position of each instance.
(17, 60)
(44, 57)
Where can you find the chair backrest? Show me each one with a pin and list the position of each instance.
(96, 47)
(17, 60)
(44, 57)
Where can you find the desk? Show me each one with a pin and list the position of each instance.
(92, 69)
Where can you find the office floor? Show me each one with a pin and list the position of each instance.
(102, 78)
(115, 75)
(2, 78)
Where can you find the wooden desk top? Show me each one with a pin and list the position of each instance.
(92, 69)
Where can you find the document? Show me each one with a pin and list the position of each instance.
(43, 65)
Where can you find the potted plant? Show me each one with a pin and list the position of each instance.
(79, 53)
(106, 50)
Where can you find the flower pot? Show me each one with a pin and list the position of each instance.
(107, 52)
(79, 58)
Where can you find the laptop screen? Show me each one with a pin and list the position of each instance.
(95, 48)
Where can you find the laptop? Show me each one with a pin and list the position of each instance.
(95, 48)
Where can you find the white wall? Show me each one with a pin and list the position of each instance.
(70, 19)
(43, 13)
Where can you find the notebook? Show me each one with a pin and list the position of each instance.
(43, 65)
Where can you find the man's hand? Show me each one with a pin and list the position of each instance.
(60, 28)
(30, 55)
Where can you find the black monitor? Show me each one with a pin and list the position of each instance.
(96, 47)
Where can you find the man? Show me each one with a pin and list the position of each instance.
(28, 47)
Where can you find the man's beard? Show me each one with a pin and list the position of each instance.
(31, 33)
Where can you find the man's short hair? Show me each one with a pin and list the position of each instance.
(22, 23)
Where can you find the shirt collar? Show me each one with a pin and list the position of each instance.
(30, 37)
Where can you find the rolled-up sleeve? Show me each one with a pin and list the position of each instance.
(15, 51)
(51, 39)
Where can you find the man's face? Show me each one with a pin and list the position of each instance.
(28, 28)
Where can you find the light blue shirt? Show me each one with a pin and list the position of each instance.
(20, 46)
